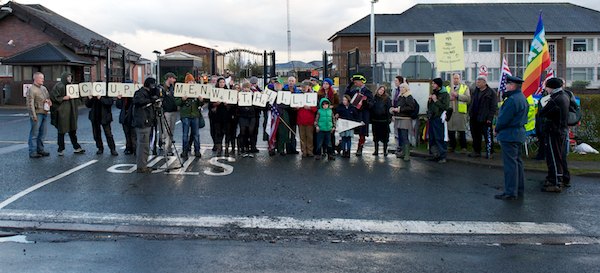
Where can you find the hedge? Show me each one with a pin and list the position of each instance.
(589, 129)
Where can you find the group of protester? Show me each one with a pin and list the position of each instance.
(449, 109)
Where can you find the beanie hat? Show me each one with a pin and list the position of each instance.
(438, 81)
(150, 82)
(188, 78)
(329, 81)
(254, 80)
(554, 83)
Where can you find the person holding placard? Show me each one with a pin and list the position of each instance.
(101, 116)
(381, 118)
(306, 120)
(362, 98)
(232, 124)
(293, 114)
(247, 120)
(220, 118)
(38, 105)
(64, 114)
(190, 114)
(170, 113)
(255, 88)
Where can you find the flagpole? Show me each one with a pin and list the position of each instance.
(286, 125)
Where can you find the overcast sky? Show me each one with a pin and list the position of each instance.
(144, 26)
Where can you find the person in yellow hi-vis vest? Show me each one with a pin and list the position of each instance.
(460, 96)
(530, 125)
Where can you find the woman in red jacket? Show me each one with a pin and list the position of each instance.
(306, 120)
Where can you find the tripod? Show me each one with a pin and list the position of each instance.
(162, 120)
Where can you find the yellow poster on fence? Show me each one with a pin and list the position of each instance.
(449, 51)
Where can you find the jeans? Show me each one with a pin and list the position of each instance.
(438, 146)
(324, 139)
(346, 143)
(514, 177)
(190, 125)
(402, 139)
(37, 133)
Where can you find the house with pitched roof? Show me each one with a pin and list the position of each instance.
(405, 42)
(35, 38)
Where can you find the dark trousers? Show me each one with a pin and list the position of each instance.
(437, 145)
(324, 140)
(556, 158)
(462, 139)
(98, 135)
(291, 145)
(246, 132)
(130, 137)
(514, 177)
(479, 130)
(72, 136)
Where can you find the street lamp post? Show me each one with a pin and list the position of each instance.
(373, 38)
(157, 65)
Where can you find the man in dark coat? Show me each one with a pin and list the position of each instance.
(144, 118)
(438, 103)
(482, 109)
(101, 116)
(363, 107)
(64, 113)
(555, 114)
(510, 128)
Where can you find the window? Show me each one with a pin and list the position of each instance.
(87, 74)
(580, 73)
(582, 44)
(465, 45)
(422, 46)
(390, 46)
(486, 45)
(6, 70)
(517, 52)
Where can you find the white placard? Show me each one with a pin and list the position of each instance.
(260, 99)
(99, 89)
(297, 100)
(205, 90)
(272, 96)
(26, 87)
(344, 125)
(284, 97)
(128, 90)
(216, 94)
(232, 97)
(115, 89)
(311, 99)
(180, 90)
(245, 98)
(73, 91)
(85, 89)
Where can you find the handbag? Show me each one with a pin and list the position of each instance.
(201, 123)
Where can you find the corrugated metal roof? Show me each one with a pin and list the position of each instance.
(480, 18)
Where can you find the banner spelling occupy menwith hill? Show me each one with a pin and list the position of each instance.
(205, 91)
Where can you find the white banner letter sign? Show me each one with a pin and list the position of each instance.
(245, 98)
(180, 90)
(115, 89)
(128, 90)
(232, 97)
(259, 99)
(205, 90)
(73, 90)
(99, 89)
(311, 99)
(85, 89)
(297, 100)
(284, 97)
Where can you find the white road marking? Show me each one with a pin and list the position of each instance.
(281, 223)
(43, 183)
(12, 148)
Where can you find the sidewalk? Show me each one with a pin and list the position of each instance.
(578, 168)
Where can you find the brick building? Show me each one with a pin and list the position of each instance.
(35, 38)
(405, 42)
(211, 59)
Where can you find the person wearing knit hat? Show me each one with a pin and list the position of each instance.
(438, 103)
(189, 78)
(555, 115)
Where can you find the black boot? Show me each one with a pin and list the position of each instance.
(376, 153)
(385, 149)
(359, 150)
(227, 149)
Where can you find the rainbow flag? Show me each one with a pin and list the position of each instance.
(538, 61)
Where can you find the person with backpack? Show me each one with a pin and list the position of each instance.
(403, 109)
(555, 116)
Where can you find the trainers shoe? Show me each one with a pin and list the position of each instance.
(35, 155)
(44, 153)
(61, 153)
(198, 154)
(170, 154)
(442, 161)
(79, 151)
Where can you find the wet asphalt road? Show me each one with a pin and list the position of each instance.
(370, 188)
